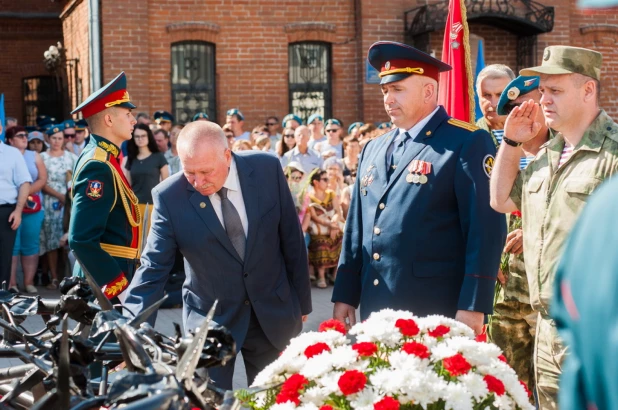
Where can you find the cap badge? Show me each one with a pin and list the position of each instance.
(513, 93)
(387, 66)
(528, 83)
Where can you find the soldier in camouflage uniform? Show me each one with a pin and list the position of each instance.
(555, 186)
(512, 325)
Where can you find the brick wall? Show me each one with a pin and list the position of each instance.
(76, 41)
(251, 39)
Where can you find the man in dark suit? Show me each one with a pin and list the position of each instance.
(233, 219)
(420, 233)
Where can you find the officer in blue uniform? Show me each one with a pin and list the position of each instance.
(105, 219)
(420, 234)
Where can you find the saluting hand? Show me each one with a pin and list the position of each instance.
(521, 124)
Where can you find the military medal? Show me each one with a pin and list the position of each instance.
(409, 178)
(423, 179)
(425, 169)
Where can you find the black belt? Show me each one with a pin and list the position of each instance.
(7, 205)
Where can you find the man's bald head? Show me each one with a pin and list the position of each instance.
(198, 135)
(302, 134)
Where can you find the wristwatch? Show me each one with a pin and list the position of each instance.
(511, 142)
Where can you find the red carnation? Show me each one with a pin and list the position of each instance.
(326, 407)
(352, 382)
(290, 389)
(502, 359)
(407, 327)
(417, 349)
(387, 403)
(528, 392)
(456, 365)
(494, 384)
(365, 348)
(482, 337)
(316, 349)
(332, 324)
(439, 331)
(516, 214)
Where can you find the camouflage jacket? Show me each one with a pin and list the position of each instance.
(516, 288)
(552, 198)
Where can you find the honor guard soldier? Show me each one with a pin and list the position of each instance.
(105, 219)
(164, 120)
(420, 233)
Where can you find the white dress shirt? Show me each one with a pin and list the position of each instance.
(413, 132)
(234, 194)
(13, 173)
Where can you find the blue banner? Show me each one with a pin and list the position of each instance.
(2, 119)
(480, 64)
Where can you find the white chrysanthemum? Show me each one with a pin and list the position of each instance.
(442, 351)
(404, 361)
(365, 399)
(456, 328)
(475, 384)
(272, 374)
(329, 382)
(288, 405)
(504, 402)
(298, 345)
(307, 406)
(316, 395)
(361, 365)
(343, 356)
(478, 354)
(317, 366)
(457, 397)
(423, 388)
(388, 381)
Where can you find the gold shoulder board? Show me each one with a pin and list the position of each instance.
(462, 124)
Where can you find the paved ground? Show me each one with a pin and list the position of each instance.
(322, 310)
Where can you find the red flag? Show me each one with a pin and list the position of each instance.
(456, 85)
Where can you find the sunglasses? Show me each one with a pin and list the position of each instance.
(289, 135)
(69, 135)
(296, 178)
(20, 135)
(270, 124)
(324, 179)
(332, 130)
(228, 136)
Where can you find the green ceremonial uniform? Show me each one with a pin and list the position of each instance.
(103, 231)
(585, 306)
(551, 200)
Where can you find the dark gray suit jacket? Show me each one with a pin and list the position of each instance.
(273, 280)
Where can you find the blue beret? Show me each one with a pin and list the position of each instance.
(200, 116)
(332, 121)
(385, 126)
(81, 125)
(396, 61)
(69, 124)
(354, 125)
(291, 117)
(522, 85)
(163, 116)
(235, 111)
(112, 94)
(43, 120)
(314, 117)
(54, 128)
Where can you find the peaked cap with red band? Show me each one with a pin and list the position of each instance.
(396, 61)
(113, 94)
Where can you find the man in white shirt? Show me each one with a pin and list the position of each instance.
(242, 244)
(307, 157)
(15, 183)
(236, 120)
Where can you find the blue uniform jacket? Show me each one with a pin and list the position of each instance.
(430, 248)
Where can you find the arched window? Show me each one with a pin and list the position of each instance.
(310, 79)
(193, 80)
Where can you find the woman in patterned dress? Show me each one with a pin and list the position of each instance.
(59, 164)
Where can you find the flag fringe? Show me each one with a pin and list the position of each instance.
(467, 56)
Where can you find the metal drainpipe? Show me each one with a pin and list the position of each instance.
(94, 35)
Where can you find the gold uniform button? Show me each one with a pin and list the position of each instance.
(376, 230)
(376, 256)
(376, 282)
(428, 133)
(382, 206)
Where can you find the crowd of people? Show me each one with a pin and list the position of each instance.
(428, 236)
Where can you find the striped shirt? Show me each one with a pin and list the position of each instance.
(566, 154)
(498, 134)
(524, 161)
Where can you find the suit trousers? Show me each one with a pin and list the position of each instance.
(257, 353)
(7, 241)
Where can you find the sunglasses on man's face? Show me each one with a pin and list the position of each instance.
(333, 130)
(271, 124)
(69, 135)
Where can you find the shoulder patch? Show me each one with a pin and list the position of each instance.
(461, 124)
(94, 190)
(488, 164)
